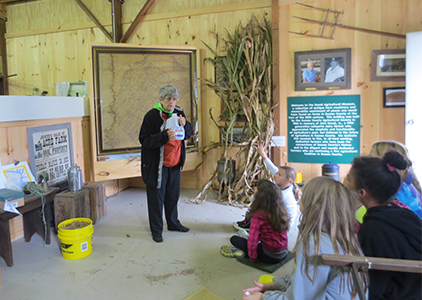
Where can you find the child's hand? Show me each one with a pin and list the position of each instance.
(252, 296)
(260, 148)
(260, 287)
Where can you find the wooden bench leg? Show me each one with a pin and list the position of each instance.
(356, 266)
(33, 222)
(5, 242)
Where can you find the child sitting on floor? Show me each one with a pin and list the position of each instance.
(285, 179)
(267, 240)
(327, 228)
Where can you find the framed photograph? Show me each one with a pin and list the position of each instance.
(323, 70)
(126, 82)
(388, 65)
(394, 97)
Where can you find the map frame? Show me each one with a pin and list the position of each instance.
(172, 64)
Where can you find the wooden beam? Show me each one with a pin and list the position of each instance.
(10, 1)
(116, 14)
(94, 19)
(275, 34)
(3, 12)
(137, 20)
(4, 87)
(151, 17)
(375, 263)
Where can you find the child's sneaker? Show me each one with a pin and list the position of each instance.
(228, 251)
(243, 233)
(242, 225)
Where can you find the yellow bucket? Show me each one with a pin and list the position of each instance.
(75, 243)
(299, 177)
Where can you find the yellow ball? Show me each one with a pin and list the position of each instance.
(266, 279)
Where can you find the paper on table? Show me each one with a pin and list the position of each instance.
(21, 171)
(9, 206)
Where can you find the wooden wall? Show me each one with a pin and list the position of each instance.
(377, 123)
(44, 49)
(47, 42)
(14, 141)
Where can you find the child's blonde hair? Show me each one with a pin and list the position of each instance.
(290, 173)
(328, 206)
(381, 147)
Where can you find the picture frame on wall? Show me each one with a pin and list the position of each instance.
(323, 69)
(126, 84)
(388, 65)
(51, 153)
(394, 97)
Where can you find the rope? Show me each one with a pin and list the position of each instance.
(37, 189)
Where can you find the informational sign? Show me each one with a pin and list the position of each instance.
(50, 149)
(323, 129)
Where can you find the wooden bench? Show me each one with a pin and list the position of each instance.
(33, 222)
(363, 263)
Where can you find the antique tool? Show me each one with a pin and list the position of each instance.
(336, 24)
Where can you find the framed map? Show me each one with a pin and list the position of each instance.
(126, 84)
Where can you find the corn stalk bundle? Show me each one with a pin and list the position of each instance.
(244, 83)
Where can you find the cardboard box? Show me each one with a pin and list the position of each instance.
(16, 199)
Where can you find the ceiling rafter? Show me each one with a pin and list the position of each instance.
(94, 19)
(137, 20)
(116, 36)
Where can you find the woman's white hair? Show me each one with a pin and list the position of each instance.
(168, 90)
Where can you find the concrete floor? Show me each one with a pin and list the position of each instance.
(127, 264)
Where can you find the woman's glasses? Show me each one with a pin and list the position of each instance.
(174, 99)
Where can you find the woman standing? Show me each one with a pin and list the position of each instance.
(163, 156)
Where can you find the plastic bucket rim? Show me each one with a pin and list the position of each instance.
(65, 222)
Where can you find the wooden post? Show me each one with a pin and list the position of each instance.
(116, 13)
(97, 200)
(275, 157)
(4, 89)
(68, 205)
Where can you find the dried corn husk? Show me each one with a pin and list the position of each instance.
(244, 64)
